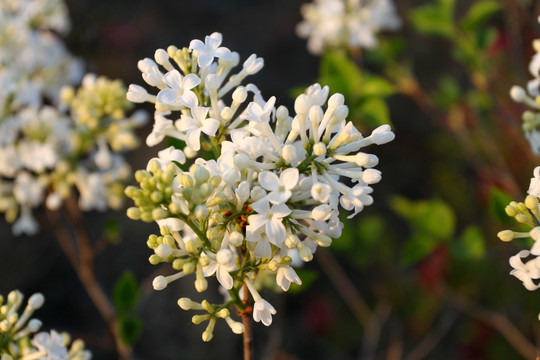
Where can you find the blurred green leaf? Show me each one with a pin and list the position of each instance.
(434, 19)
(498, 200)
(339, 73)
(373, 112)
(431, 217)
(112, 231)
(307, 277)
(358, 239)
(470, 245)
(418, 247)
(126, 292)
(129, 328)
(479, 13)
(376, 86)
(449, 92)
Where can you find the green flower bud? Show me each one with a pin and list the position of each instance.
(159, 213)
(188, 267)
(205, 190)
(154, 259)
(133, 213)
(156, 196)
(200, 173)
(185, 180)
(223, 313)
(201, 212)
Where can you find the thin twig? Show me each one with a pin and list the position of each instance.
(82, 260)
(429, 342)
(343, 284)
(499, 322)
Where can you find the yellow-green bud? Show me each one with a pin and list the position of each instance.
(205, 190)
(223, 313)
(152, 241)
(185, 303)
(154, 259)
(200, 212)
(178, 264)
(185, 180)
(510, 210)
(531, 202)
(169, 240)
(188, 267)
(156, 196)
(159, 213)
(273, 265)
(204, 261)
(147, 216)
(133, 213)
(506, 235)
(197, 319)
(286, 260)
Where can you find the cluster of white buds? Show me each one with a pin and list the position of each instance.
(19, 337)
(527, 213)
(265, 191)
(345, 23)
(75, 140)
(531, 98)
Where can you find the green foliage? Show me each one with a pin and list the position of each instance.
(498, 199)
(364, 92)
(307, 276)
(126, 292)
(360, 238)
(112, 231)
(129, 328)
(125, 297)
(431, 217)
(479, 13)
(434, 19)
(448, 92)
(470, 245)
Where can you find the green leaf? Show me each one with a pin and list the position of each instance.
(339, 73)
(376, 86)
(129, 328)
(373, 112)
(449, 92)
(479, 13)
(417, 248)
(126, 292)
(434, 19)
(307, 277)
(431, 217)
(470, 245)
(498, 200)
(112, 231)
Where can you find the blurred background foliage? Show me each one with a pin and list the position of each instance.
(418, 275)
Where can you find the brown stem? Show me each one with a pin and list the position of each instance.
(499, 322)
(246, 320)
(345, 287)
(82, 260)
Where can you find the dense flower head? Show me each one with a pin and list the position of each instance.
(34, 63)
(46, 152)
(345, 23)
(263, 188)
(19, 336)
(531, 97)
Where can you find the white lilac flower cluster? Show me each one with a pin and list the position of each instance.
(45, 152)
(531, 98)
(528, 213)
(34, 62)
(19, 337)
(264, 190)
(53, 137)
(345, 23)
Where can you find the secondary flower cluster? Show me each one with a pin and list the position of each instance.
(345, 23)
(528, 213)
(75, 139)
(33, 60)
(19, 337)
(264, 189)
(531, 97)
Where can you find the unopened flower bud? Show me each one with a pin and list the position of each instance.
(288, 153)
(517, 93)
(239, 95)
(319, 149)
(185, 303)
(201, 174)
(236, 238)
(159, 283)
(36, 301)
(506, 235)
(163, 251)
(200, 212)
